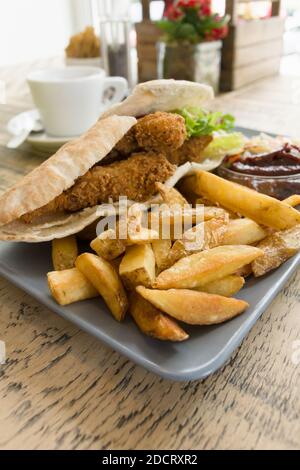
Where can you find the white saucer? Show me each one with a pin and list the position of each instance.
(40, 140)
(44, 141)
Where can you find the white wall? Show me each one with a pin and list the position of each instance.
(37, 29)
(81, 14)
(31, 29)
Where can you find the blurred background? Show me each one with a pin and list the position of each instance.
(239, 43)
(34, 29)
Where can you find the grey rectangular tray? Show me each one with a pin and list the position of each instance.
(208, 347)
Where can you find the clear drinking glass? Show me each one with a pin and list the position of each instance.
(113, 8)
(117, 38)
(116, 50)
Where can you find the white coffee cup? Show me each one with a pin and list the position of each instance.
(70, 99)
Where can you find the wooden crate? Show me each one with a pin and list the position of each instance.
(253, 49)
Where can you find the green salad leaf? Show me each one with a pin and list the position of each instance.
(224, 145)
(200, 122)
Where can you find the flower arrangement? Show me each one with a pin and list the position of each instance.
(192, 21)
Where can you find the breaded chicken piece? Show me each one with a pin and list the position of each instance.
(134, 178)
(190, 151)
(165, 133)
(128, 144)
(160, 131)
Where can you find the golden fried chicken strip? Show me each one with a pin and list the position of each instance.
(134, 178)
(160, 131)
(128, 144)
(190, 151)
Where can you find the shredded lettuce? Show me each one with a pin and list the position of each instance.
(200, 122)
(223, 145)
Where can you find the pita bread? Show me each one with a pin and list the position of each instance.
(161, 95)
(60, 226)
(60, 171)
(74, 159)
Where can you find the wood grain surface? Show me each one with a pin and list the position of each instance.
(62, 389)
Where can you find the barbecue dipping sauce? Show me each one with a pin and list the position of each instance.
(282, 162)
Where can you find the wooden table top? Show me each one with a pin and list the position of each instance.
(62, 389)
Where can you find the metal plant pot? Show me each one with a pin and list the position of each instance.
(194, 62)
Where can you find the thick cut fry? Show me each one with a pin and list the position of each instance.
(207, 266)
(138, 266)
(70, 286)
(116, 263)
(214, 212)
(130, 229)
(245, 271)
(277, 249)
(107, 282)
(144, 235)
(133, 222)
(203, 201)
(242, 232)
(227, 287)
(293, 201)
(171, 196)
(177, 252)
(214, 231)
(108, 246)
(203, 236)
(209, 234)
(262, 209)
(165, 222)
(195, 308)
(64, 253)
(169, 223)
(161, 249)
(207, 202)
(186, 187)
(154, 323)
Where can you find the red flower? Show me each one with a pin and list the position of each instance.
(205, 10)
(177, 14)
(224, 31)
(168, 4)
(174, 13)
(217, 33)
(186, 12)
(188, 3)
(204, 6)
